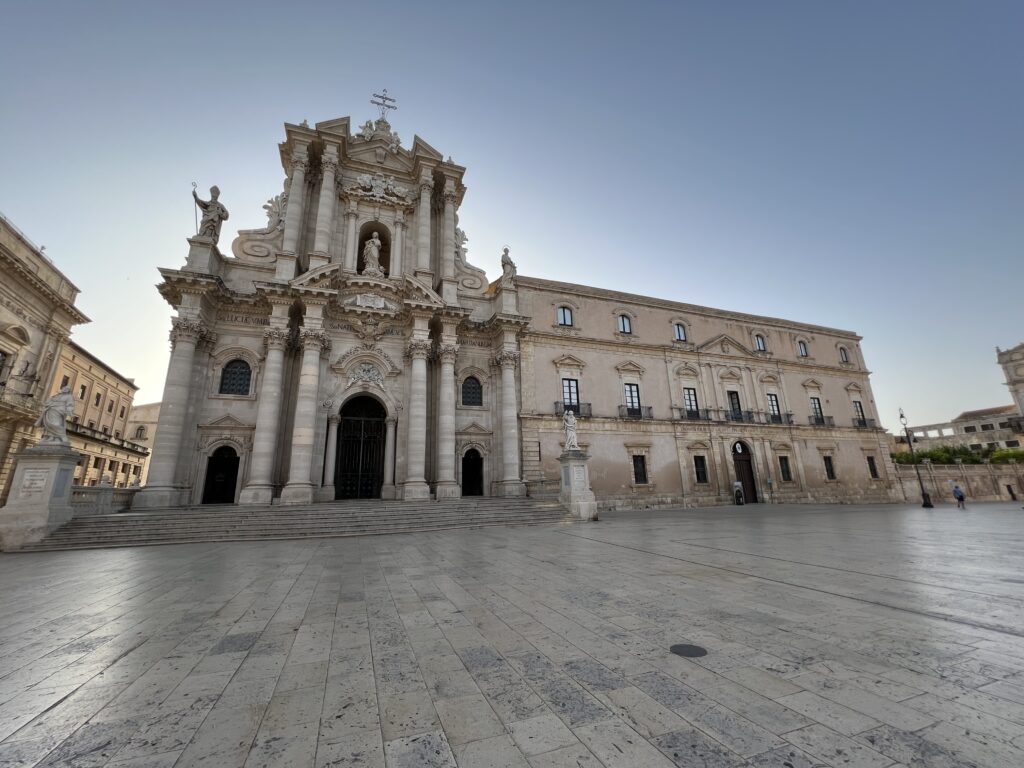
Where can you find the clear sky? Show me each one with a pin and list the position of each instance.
(850, 164)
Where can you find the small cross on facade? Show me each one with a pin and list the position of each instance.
(380, 100)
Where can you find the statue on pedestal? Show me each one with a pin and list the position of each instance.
(508, 267)
(371, 257)
(214, 214)
(56, 412)
(569, 424)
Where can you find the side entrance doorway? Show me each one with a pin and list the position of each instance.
(221, 476)
(743, 462)
(472, 473)
(359, 470)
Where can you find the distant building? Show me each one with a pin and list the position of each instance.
(37, 312)
(142, 421)
(99, 428)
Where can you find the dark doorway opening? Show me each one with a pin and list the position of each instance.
(472, 473)
(221, 476)
(743, 461)
(360, 466)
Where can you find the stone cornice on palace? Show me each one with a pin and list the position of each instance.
(573, 289)
(10, 263)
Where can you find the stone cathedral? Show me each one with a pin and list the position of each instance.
(349, 350)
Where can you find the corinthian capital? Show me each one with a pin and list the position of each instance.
(300, 162)
(419, 348)
(329, 164)
(184, 329)
(506, 359)
(447, 353)
(275, 338)
(314, 339)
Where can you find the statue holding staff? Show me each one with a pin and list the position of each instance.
(214, 214)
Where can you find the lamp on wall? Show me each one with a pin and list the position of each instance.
(926, 500)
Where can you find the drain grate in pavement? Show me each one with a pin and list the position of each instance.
(689, 651)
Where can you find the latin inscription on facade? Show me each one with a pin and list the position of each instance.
(33, 483)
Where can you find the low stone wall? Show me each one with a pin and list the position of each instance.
(100, 500)
(980, 482)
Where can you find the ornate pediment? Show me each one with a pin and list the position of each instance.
(370, 300)
(227, 421)
(417, 295)
(730, 374)
(811, 384)
(630, 367)
(687, 370)
(327, 277)
(569, 361)
(853, 387)
(474, 429)
(726, 345)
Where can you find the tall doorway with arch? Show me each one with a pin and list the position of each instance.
(359, 471)
(472, 473)
(743, 463)
(221, 476)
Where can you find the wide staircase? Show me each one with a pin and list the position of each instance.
(212, 523)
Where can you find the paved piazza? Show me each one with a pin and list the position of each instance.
(861, 637)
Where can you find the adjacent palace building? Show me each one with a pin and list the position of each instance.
(349, 350)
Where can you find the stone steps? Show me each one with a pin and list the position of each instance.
(335, 519)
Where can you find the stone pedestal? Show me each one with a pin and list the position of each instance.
(40, 498)
(203, 256)
(576, 494)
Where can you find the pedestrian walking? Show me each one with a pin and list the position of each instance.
(958, 494)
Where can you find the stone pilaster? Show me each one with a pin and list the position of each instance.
(511, 482)
(448, 285)
(324, 212)
(387, 490)
(423, 221)
(163, 484)
(415, 486)
(296, 201)
(397, 246)
(260, 489)
(331, 458)
(446, 487)
(299, 489)
(351, 237)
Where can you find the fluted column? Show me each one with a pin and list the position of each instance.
(446, 486)
(162, 483)
(387, 490)
(415, 486)
(324, 212)
(448, 257)
(260, 489)
(300, 484)
(296, 201)
(397, 246)
(330, 460)
(351, 237)
(511, 482)
(423, 221)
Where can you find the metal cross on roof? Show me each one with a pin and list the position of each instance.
(380, 100)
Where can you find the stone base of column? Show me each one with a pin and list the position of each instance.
(448, 490)
(511, 488)
(388, 492)
(415, 491)
(256, 494)
(325, 493)
(40, 497)
(157, 496)
(297, 493)
(318, 259)
(576, 495)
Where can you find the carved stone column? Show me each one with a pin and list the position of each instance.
(324, 212)
(511, 483)
(351, 237)
(397, 246)
(163, 485)
(423, 220)
(449, 286)
(387, 490)
(415, 486)
(446, 487)
(260, 489)
(300, 484)
(330, 460)
(296, 201)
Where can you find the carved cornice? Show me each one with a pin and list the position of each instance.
(506, 359)
(419, 348)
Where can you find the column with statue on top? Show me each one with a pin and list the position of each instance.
(575, 491)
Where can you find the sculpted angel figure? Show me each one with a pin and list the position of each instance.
(569, 423)
(371, 257)
(214, 214)
(56, 412)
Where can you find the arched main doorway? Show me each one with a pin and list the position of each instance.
(221, 476)
(743, 462)
(359, 470)
(472, 473)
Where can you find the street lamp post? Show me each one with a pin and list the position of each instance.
(926, 500)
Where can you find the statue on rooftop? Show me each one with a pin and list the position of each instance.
(214, 214)
(508, 267)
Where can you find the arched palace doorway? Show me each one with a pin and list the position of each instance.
(221, 476)
(472, 473)
(359, 470)
(743, 462)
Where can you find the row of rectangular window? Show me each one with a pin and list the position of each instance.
(700, 468)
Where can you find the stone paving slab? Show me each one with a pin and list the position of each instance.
(836, 636)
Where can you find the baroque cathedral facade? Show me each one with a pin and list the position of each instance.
(350, 350)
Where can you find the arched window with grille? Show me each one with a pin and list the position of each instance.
(235, 378)
(472, 391)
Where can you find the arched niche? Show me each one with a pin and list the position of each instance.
(384, 235)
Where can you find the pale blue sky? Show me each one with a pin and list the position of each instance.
(857, 164)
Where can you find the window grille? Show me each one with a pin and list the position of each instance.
(472, 391)
(235, 378)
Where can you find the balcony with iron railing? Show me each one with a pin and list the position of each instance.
(860, 423)
(821, 421)
(636, 412)
(96, 434)
(693, 414)
(778, 418)
(746, 417)
(580, 409)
